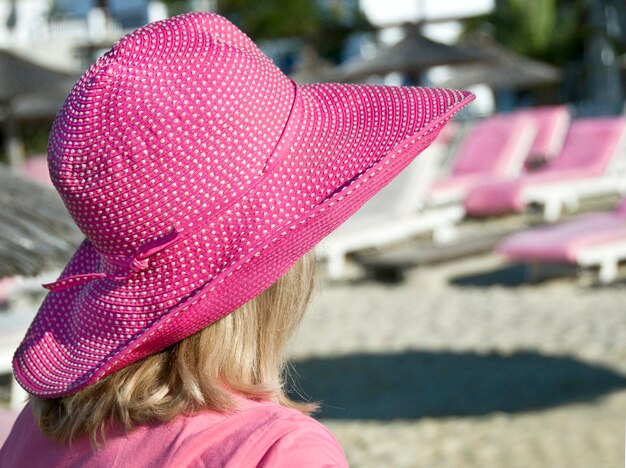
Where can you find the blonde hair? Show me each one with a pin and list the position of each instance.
(243, 353)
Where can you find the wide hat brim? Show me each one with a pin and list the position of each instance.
(342, 144)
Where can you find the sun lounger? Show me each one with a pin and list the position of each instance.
(36, 168)
(593, 240)
(13, 326)
(495, 147)
(397, 212)
(552, 125)
(592, 162)
(16, 295)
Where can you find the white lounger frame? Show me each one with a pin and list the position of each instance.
(13, 326)
(554, 197)
(394, 214)
(517, 156)
(607, 257)
(440, 221)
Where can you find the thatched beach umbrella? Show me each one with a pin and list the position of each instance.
(311, 67)
(24, 82)
(414, 54)
(36, 231)
(20, 76)
(502, 69)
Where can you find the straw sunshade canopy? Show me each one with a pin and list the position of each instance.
(311, 68)
(27, 89)
(32, 107)
(36, 232)
(502, 69)
(413, 54)
(20, 76)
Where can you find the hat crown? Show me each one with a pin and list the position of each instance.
(169, 127)
(199, 176)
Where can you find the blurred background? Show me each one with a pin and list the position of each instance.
(472, 313)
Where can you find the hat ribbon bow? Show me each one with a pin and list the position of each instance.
(127, 266)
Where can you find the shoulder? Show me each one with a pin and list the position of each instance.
(275, 436)
(304, 442)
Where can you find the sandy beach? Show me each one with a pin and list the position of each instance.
(465, 364)
(440, 372)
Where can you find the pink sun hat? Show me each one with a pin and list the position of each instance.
(199, 174)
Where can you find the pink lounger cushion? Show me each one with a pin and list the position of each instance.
(495, 147)
(495, 197)
(36, 168)
(552, 124)
(564, 242)
(589, 148)
(484, 151)
(448, 133)
(461, 183)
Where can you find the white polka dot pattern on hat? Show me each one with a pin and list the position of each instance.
(185, 124)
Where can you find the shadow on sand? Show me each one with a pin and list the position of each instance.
(517, 274)
(417, 384)
(508, 276)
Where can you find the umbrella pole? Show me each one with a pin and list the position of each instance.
(13, 146)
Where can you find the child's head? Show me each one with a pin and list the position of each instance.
(243, 353)
(200, 174)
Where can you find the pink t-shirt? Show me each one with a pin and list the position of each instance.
(260, 434)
